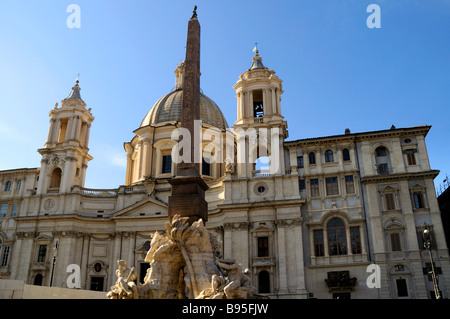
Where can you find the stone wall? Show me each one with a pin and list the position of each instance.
(17, 289)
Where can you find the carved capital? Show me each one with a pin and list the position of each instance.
(289, 222)
(236, 226)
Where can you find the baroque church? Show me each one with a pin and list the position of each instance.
(340, 216)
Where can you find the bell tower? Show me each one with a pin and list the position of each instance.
(260, 128)
(65, 153)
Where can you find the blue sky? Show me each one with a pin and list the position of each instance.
(337, 73)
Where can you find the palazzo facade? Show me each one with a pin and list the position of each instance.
(311, 217)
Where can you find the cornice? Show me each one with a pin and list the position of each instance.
(399, 177)
(270, 203)
(20, 171)
(358, 137)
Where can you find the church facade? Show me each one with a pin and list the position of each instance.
(327, 217)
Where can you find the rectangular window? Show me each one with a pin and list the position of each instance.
(166, 164)
(383, 169)
(314, 187)
(389, 201)
(3, 209)
(332, 186)
(301, 184)
(418, 200)
(300, 163)
(42, 253)
(5, 256)
(97, 283)
(337, 243)
(263, 246)
(312, 158)
(318, 243)
(355, 240)
(14, 210)
(349, 186)
(411, 157)
(395, 242)
(402, 288)
(345, 154)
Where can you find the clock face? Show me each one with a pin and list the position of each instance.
(49, 204)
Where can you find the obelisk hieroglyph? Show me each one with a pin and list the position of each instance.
(188, 188)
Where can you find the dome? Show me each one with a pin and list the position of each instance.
(168, 108)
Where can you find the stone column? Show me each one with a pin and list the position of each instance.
(116, 243)
(227, 241)
(129, 175)
(77, 135)
(50, 131)
(265, 103)
(274, 101)
(131, 247)
(268, 101)
(15, 257)
(247, 106)
(56, 129)
(299, 261)
(86, 141)
(85, 260)
(146, 150)
(278, 101)
(282, 267)
(64, 257)
(69, 129)
(25, 255)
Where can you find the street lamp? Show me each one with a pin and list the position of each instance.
(427, 245)
(55, 252)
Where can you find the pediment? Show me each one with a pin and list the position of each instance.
(43, 237)
(417, 187)
(388, 188)
(146, 207)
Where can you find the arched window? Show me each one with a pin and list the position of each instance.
(329, 156)
(263, 282)
(345, 154)
(258, 108)
(206, 167)
(262, 166)
(337, 241)
(19, 184)
(381, 151)
(8, 186)
(312, 158)
(55, 178)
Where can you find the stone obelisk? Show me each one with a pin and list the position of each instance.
(188, 188)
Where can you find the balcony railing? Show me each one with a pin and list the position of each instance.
(263, 261)
(341, 283)
(99, 192)
(261, 173)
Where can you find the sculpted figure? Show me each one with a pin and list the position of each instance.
(125, 287)
(234, 274)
